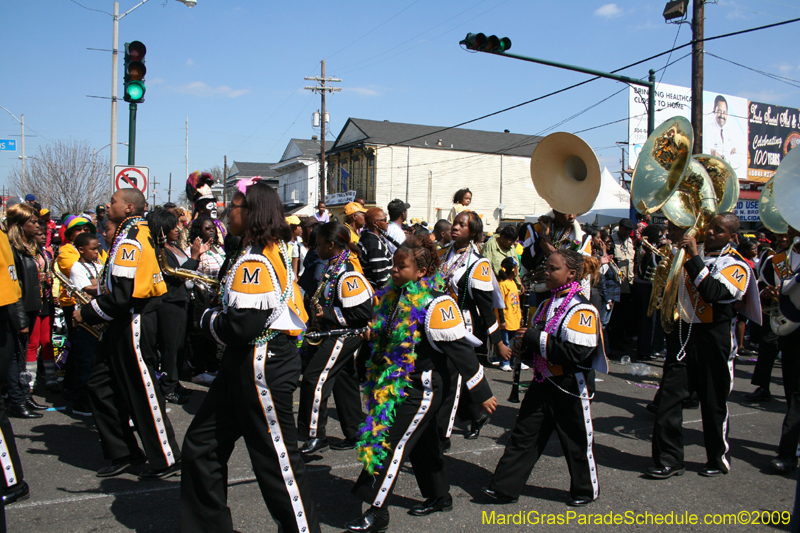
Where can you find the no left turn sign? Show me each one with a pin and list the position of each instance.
(127, 177)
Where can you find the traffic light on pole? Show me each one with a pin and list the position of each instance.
(480, 43)
(135, 70)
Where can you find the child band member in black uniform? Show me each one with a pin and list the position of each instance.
(565, 340)
(469, 279)
(344, 302)
(252, 394)
(416, 334)
(701, 349)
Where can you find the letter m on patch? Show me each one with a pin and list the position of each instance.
(738, 275)
(352, 284)
(585, 319)
(485, 271)
(129, 255)
(249, 278)
(448, 313)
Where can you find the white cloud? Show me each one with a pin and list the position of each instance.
(198, 88)
(155, 81)
(363, 91)
(786, 69)
(608, 11)
(189, 62)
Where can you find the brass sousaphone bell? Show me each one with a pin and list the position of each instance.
(566, 173)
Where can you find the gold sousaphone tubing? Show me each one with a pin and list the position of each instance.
(80, 297)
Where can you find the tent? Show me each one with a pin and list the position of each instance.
(612, 204)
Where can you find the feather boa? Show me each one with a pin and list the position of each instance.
(393, 360)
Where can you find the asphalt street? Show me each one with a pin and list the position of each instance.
(61, 453)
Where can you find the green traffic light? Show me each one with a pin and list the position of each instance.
(135, 91)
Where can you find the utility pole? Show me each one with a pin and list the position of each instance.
(698, 12)
(187, 146)
(169, 191)
(22, 125)
(323, 90)
(155, 184)
(114, 66)
(225, 182)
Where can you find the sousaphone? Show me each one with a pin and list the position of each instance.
(566, 173)
(787, 188)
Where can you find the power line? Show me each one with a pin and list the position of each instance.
(788, 81)
(91, 8)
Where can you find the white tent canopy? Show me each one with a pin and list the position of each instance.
(612, 203)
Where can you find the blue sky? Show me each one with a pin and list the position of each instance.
(236, 67)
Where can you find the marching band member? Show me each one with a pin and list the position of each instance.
(702, 347)
(252, 394)
(345, 301)
(779, 267)
(14, 487)
(417, 334)
(469, 279)
(123, 382)
(566, 341)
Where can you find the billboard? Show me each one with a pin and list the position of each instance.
(773, 131)
(725, 132)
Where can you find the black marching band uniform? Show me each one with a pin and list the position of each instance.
(471, 282)
(780, 267)
(346, 300)
(702, 349)
(562, 401)
(445, 343)
(10, 292)
(123, 382)
(251, 398)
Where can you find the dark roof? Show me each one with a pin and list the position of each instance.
(248, 170)
(362, 131)
(307, 146)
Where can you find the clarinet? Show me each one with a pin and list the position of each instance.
(388, 237)
(514, 396)
(347, 332)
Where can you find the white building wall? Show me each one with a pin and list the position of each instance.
(300, 186)
(428, 177)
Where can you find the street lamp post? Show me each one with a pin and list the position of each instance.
(114, 53)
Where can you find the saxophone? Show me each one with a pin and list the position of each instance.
(80, 297)
(206, 282)
(658, 276)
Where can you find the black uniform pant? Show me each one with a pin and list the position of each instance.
(171, 333)
(708, 364)
(331, 369)
(790, 364)
(768, 349)
(9, 457)
(457, 402)
(412, 435)
(123, 385)
(651, 334)
(251, 398)
(546, 408)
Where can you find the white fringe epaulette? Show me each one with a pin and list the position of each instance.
(347, 284)
(724, 262)
(446, 314)
(120, 271)
(241, 300)
(579, 337)
(486, 268)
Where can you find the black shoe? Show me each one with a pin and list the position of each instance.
(22, 411)
(446, 445)
(174, 397)
(368, 522)
(652, 407)
(579, 502)
(314, 445)
(33, 404)
(783, 466)
(708, 471)
(476, 426)
(183, 391)
(120, 465)
(344, 444)
(16, 493)
(432, 505)
(54, 388)
(664, 472)
(499, 497)
(82, 407)
(690, 404)
(761, 394)
(162, 473)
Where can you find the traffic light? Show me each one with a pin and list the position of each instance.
(135, 70)
(480, 43)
